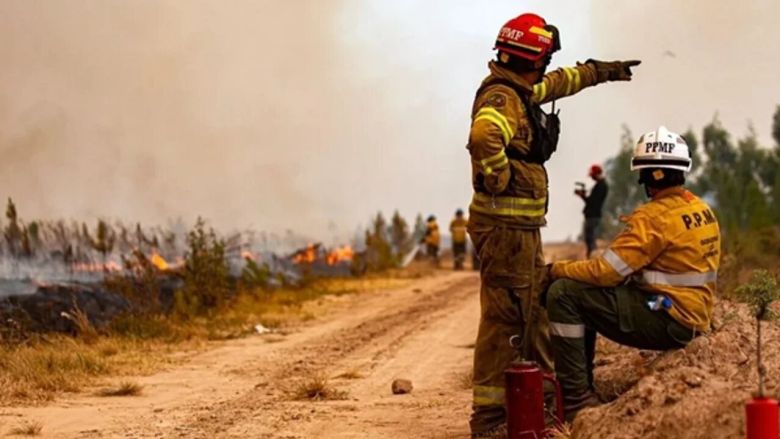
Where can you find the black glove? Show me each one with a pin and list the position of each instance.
(613, 70)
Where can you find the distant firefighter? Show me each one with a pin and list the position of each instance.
(432, 239)
(458, 231)
(594, 203)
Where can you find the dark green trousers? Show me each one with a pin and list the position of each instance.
(578, 311)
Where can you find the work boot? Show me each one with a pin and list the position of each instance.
(497, 432)
(573, 404)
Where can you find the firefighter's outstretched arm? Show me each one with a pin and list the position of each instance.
(639, 244)
(493, 126)
(567, 81)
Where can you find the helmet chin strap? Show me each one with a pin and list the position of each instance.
(648, 193)
(643, 181)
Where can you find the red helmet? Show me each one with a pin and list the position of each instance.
(528, 36)
(595, 171)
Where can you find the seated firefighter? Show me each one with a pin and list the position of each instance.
(653, 288)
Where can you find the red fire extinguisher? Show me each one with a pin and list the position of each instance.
(761, 418)
(525, 401)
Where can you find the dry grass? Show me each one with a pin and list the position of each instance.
(317, 388)
(125, 388)
(82, 323)
(29, 428)
(39, 371)
(50, 365)
(466, 380)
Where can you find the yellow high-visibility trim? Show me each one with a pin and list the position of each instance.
(489, 395)
(495, 160)
(505, 134)
(506, 211)
(492, 115)
(573, 81)
(509, 206)
(569, 80)
(541, 31)
(577, 81)
(486, 401)
(485, 198)
(499, 160)
(540, 91)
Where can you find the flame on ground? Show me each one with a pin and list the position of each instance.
(158, 261)
(340, 254)
(246, 254)
(307, 255)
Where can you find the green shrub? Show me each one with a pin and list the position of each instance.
(207, 283)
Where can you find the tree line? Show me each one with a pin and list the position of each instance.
(738, 176)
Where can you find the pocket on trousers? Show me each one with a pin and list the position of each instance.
(679, 333)
(626, 304)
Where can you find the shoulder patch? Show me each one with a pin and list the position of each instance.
(496, 100)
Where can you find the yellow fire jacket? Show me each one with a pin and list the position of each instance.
(458, 230)
(508, 191)
(432, 236)
(670, 246)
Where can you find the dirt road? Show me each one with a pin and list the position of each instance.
(244, 388)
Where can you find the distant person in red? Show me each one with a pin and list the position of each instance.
(594, 204)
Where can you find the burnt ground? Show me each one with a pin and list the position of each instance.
(423, 332)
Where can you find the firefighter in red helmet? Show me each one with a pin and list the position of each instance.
(511, 138)
(594, 204)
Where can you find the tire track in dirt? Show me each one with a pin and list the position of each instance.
(241, 388)
(367, 345)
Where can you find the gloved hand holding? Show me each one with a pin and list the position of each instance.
(613, 70)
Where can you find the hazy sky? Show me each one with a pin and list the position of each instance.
(308, 113)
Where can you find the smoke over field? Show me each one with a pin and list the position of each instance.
(312, 115)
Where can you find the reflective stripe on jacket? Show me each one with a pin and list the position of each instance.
(499, 124)
(670, 246)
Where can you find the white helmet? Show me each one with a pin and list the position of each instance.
(661, 149)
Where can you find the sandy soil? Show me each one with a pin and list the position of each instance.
(243, 388)
(423, 332)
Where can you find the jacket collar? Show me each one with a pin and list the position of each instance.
(504, 73)
(670, 191)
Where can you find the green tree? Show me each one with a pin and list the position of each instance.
(776, 128)
(34, 230)
(419, 228)
(104, 240)
(207, 284)
(13, 231)
(624, 192)
(26, 250)
(399, 235)
(733, 178)
(759, 294)
(379, 252)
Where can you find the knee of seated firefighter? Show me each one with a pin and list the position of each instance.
(559, 297)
